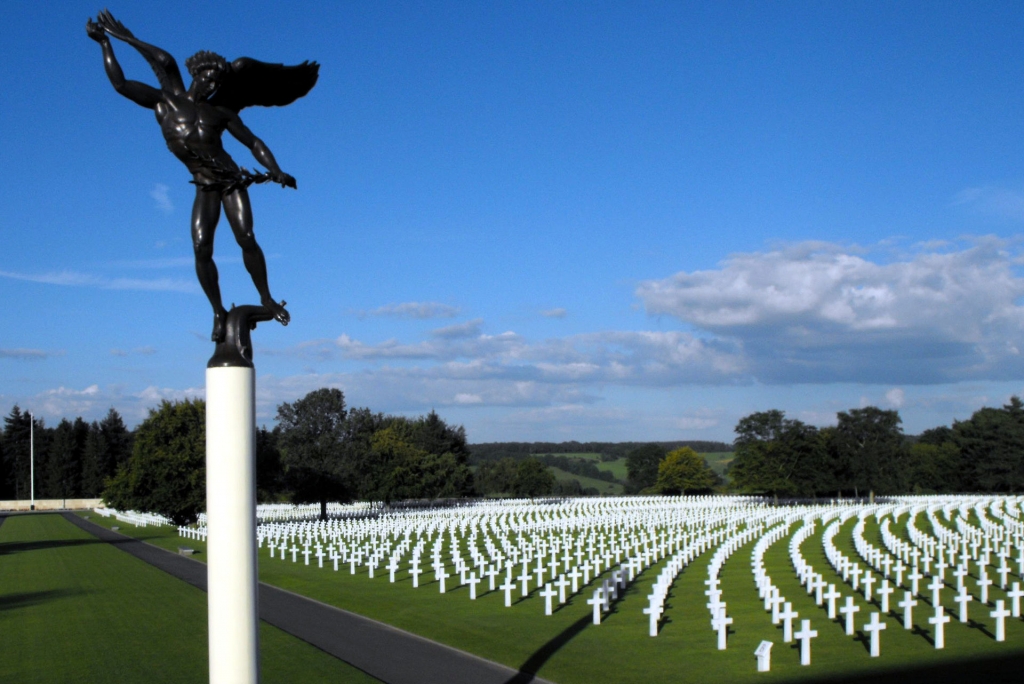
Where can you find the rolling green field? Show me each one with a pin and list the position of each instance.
(603, 487)
(719, 461)
(75, 609)
(568, 649)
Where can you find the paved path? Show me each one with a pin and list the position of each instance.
(392, 655)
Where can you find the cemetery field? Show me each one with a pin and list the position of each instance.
(74, 609)
(741, 540)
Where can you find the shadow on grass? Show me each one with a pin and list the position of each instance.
(529, 668)
(969, 671)
(22, 547)
(33, 598)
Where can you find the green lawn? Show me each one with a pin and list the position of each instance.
(567, 649)
(75, 609)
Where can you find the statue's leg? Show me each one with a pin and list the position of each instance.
(205, 215)
(239, 213)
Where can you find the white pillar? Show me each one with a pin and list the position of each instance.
(231, 520)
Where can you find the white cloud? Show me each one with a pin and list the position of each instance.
(467, 329)
(76, 279)
(94, 401)
(816, 312)
(420, 310)
(555, 313)
(160, 193)
(895, 397)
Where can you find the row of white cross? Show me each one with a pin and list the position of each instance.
(556, 550)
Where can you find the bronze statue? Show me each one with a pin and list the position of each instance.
(192, 121)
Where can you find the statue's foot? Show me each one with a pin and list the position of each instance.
(281, 315)
(220, 320)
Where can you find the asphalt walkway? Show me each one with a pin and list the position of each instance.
(391, 655)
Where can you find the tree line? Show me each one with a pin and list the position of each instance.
(72, 460)
(321, 450)
(866, 453)
(608, 451)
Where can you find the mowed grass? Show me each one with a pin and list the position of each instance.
(75, 609)
(568, 649)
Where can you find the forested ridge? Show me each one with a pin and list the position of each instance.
(322, 450)
(609, 451)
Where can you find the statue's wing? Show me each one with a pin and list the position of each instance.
(252, 82)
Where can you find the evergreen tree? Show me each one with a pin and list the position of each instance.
(63, 476)
(95, 460)
(17, 452)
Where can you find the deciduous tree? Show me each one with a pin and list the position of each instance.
(166, 472)
(313, 448)
(684, 470)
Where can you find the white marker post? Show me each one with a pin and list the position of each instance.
(32, 461)
(231, 504)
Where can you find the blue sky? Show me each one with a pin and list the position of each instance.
(546, 221)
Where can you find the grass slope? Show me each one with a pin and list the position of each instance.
(603, 487)
(74, 609)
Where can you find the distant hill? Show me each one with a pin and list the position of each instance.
(607, 451)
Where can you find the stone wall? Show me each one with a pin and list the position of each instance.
(51, 504)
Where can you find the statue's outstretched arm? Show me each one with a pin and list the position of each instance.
(259, 150)
(161, 61)
(139, 93)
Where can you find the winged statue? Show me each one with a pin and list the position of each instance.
(193, 120)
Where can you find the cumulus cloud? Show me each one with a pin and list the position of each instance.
(160, 194)
(818, 312)
(509, 369)
(93, 401)
(420, 310)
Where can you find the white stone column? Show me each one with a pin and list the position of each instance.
(231, 519)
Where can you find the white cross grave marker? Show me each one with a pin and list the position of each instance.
(907, 604)
(804, 636)
(848, 611)
(874, 627)
(939, 620)
(1000, 614)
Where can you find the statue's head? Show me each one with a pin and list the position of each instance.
(207, 70)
